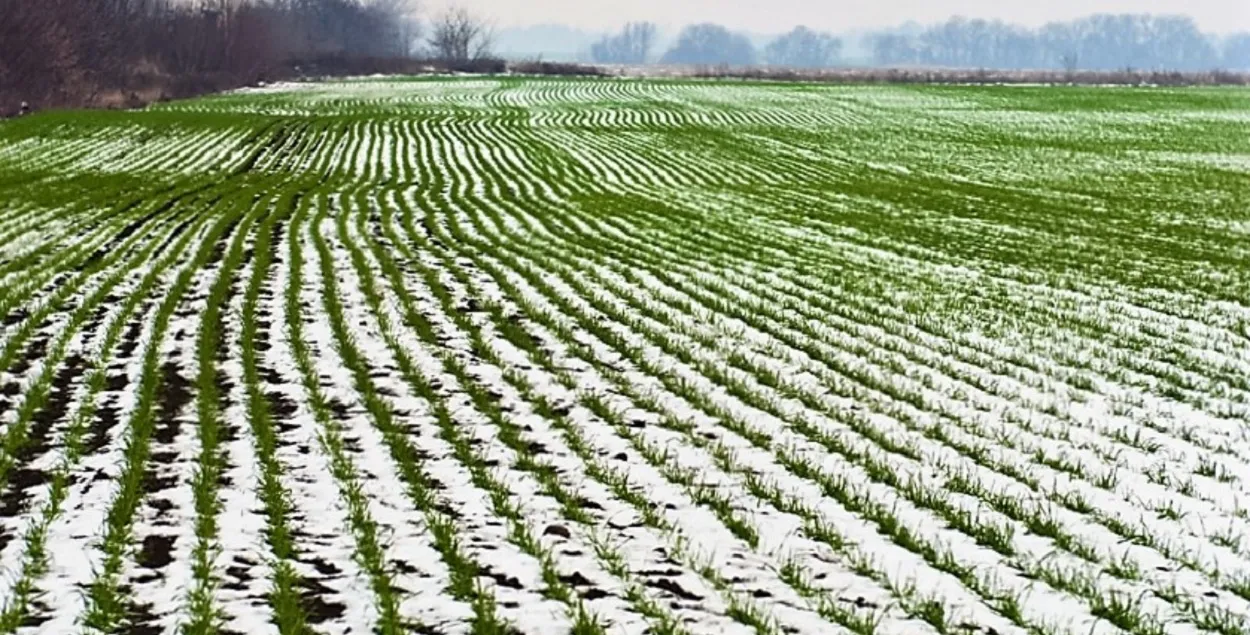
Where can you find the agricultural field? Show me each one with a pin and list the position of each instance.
(538, 356)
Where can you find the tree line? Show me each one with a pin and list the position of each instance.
(84, 52)
(1097, 42)
(75, 52)
(710, 44)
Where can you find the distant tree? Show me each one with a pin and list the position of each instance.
(1060, 43)
(399, 23)
(457, 35)
(1236, 53)
(803, 48)
(1071, 62)
(631, 46)
(1097, 42)
(86, 51)
(1176, 43)
(710, 44)
(344, 27)
(894, 49)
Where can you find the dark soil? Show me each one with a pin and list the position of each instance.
(39, 614)
(268, 374)
(339, 409)
(576, 579)
(140, 620)
(666, 584)
(406, 568)
(283, 409)
(502, 579)
(16, 316)
(92, 325)
(593, 593)
(178, 231)
(161, 505)
(117, 240)
(17, 493)
(116, 383)
(154, 483)
(175, 395)
(557, 530)
(157, 552)
(323, 567)
(317, 608)
(229, 429)
(34, 352)
(130, 339)
(219, 250)
(237, 577)
(106, 418)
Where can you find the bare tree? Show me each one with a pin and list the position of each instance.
(44, 50)
(631, 46)
(803, 48)
(457, 35)
(710, 44)
(1070, 63)
(405, 24)
(1095, 42)
(1236, 52)
(80, 52)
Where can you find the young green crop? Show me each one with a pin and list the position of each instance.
(992, 337)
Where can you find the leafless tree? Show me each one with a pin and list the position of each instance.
(1237, 51)
(403, 16)
(803, 48)
(710, 44)
(1070, 63)
(631, 46)
(457, 35)
(39, 50)
(90, 52)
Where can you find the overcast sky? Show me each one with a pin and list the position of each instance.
(1219, 16)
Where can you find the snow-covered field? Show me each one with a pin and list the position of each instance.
(628, 356)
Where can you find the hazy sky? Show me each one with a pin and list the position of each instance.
(759, 16)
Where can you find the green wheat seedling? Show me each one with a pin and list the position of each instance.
(996, 335)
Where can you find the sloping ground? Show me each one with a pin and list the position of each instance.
(541, 356)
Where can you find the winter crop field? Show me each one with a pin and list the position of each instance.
(537, 357)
